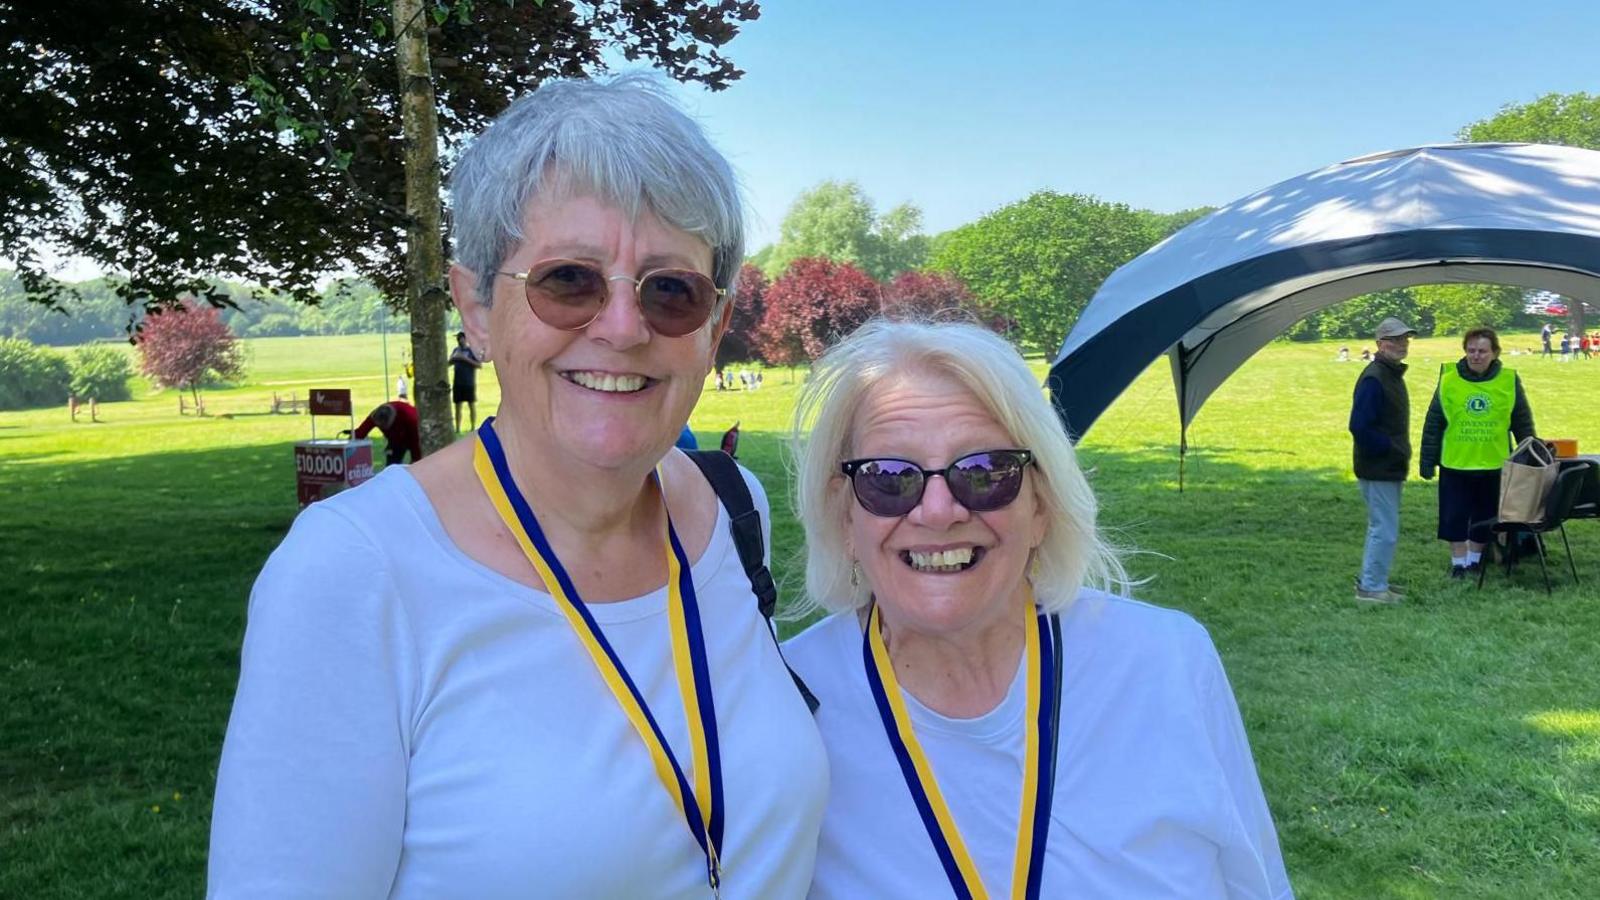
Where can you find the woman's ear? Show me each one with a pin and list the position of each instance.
(474, 312)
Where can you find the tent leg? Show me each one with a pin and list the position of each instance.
(1183, 452)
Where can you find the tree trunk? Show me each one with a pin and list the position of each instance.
(426, 296)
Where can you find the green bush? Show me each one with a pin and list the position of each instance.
(101, 373)
(31, 376)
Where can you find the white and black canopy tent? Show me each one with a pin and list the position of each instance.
(1214, 293)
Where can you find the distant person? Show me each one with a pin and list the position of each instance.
(1477, 409)
(398, 421)
(687, 440)
(400, 386)
(1366, 355)
(1544, 337)
(464, 389)
(1344, 355)
(1380, 423)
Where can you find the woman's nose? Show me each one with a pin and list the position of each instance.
(939, 508)
(621, 321)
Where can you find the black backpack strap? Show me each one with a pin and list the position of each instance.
(745, 523)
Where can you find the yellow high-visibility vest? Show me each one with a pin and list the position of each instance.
(1477, 417)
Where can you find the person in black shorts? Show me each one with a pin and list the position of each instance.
(466, 364)
(1478, 413)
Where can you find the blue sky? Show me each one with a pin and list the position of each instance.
(963, 107)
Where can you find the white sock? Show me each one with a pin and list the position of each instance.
(1473, 556)
(1459, 562)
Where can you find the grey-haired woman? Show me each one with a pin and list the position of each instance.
(994, 728)
(532, 664)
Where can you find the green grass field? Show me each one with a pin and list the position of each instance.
(1446, 748)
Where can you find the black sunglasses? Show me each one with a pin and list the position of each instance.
(982, 481)
(568, 294)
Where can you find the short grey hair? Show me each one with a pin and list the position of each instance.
(622, 140)
(1073, 553)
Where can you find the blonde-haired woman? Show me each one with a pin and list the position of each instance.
(994, 727)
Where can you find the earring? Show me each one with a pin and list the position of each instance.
(855, 575)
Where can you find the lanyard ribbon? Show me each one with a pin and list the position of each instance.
(702, 804)
(1043, 660)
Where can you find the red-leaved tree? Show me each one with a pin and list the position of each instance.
(937, 296)
(749, 302)
(812, 305)
(184, 346)
(925, 295)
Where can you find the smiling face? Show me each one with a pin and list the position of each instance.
(941, 568)
(613, 394)
(1480, 353)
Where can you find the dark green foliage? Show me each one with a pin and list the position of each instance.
(1358, 317)
(1441, 309)
(100, 373)
(31, 376)
(1038, 261)
(1570, 119)
(259, 140)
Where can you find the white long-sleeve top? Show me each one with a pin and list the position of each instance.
(1156, 795)
(411, 723)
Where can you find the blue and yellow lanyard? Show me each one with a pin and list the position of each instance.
(702, 805)
(1038, 771)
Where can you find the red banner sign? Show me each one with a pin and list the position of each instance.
(324, 468)
(330, 402)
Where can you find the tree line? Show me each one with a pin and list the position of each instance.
(343, 306)
(297, 152)
(1030, 267)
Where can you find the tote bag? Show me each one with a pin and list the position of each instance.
(1525, 481)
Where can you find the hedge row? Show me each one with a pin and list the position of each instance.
(32, 376)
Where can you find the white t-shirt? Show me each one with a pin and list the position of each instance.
(1156, 794)
(410, 723)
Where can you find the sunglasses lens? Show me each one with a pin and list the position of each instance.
(566, 294)
(676, 302)
(887, 487)
(986, 481)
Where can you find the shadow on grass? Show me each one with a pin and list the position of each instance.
(1388, 740)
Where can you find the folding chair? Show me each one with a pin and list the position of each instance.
(1557, 507)
(1588, 505)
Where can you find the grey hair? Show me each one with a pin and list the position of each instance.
(622, 140)
(1073, 552)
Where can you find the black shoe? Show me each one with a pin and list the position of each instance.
(1457, 572)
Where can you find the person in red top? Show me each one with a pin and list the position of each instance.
(397, 419)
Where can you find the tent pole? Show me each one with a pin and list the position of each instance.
(1183, 453)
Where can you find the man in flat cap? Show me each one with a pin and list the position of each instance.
(1380, 422)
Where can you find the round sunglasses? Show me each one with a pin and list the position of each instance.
(568, 294)
(982, 481)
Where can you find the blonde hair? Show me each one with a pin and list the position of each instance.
(1072, 553)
